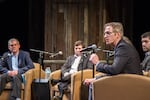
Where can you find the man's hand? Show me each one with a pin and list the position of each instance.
(13, 73)
(94, 58)
(87, 82)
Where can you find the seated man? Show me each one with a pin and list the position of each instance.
(126, 58)
(73, 64)
(145, 38)
(13, 65)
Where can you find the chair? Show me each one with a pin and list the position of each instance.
(30, 77)
(122, 87)
(26, 87)
(75, 83)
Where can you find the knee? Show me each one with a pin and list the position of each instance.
(17, 77)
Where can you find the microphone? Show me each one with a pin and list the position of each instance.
(5, 56)
(89, 48)
(39, 51)
(55, 54)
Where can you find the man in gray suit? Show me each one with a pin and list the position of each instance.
(126, 58)
(13, 65)
(74, 63)
(145, 38)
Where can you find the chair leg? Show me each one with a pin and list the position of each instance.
(22, 94)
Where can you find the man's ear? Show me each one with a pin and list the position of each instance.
(19, 46)
(118, 34)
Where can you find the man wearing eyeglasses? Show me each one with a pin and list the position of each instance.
(126, 58)
(13, 65)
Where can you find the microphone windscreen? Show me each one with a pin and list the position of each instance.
(60, 52)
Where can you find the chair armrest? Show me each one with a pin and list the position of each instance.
(30, 75)
(76, 82)
(28, 81)
(122, 87)
(99, 74)
(55, 74)
(87, 73)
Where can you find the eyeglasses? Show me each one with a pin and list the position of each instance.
(12, 45)
(108, 33)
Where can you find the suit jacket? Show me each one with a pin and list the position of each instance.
(126, 60)
(146, 62)
(24, 62)
(83, 64)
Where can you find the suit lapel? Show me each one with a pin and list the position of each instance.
(10, 62)
(73, 59)
(80, 66)
(19, 60)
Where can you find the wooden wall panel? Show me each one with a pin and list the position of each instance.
(74, 10)
(69, 20)
(60, 33)
(93, 23)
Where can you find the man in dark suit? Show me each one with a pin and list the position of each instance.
(13, 65)
(126, 58)
(145, 38)
(74, 63)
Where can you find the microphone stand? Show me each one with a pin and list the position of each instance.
(93, 51)
(93, 68)
(108, 53)
(41, 86)
(40, 60)
(107, 57)
(82, 61)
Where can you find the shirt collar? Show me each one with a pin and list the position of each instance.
(15, 55)
(147, 53)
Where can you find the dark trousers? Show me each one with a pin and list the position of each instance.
(16, 82)
(84, 92)
(63, 85)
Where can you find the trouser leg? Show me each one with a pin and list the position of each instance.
(4, 78)
(90, 92)
(62, 86)
(16, 85)
(61, 91)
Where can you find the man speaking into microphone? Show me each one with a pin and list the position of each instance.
(126, 57)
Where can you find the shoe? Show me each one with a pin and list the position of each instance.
(56, 98)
